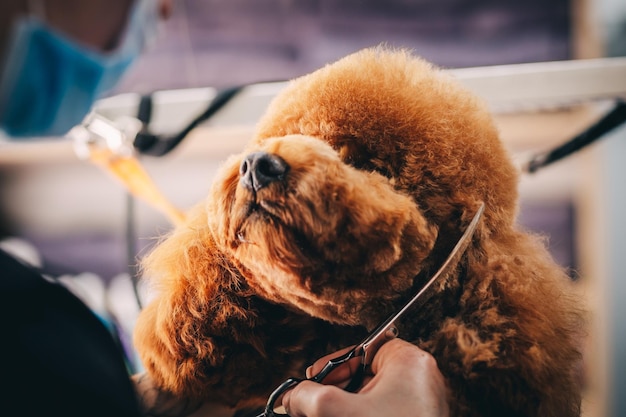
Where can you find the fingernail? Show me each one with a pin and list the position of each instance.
(391, 333)
(308, 371)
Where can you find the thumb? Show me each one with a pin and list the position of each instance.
(310, 399)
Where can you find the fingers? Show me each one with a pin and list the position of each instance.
(406, 382)
(319, 364)
(399, 365)
(341, 375)
(393, 354)
(309, 399)
(396, 353)
(401, 360)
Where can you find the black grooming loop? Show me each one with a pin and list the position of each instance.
(610, 121)
(148, 143)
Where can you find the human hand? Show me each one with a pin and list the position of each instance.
(406, 382)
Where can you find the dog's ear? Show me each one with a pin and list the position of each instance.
(170, 335)
(185, 254)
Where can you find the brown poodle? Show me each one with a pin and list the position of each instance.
(357, 184)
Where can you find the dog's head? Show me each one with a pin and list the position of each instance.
(358, 173)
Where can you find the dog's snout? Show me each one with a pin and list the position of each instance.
(259, 169)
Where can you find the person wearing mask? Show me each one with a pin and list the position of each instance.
(56, 58)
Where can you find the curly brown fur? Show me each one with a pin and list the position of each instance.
(388, 160)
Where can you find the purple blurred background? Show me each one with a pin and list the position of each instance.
(225, 43)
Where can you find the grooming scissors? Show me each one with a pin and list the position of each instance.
(386, 331)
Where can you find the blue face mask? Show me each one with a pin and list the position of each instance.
(49, 83)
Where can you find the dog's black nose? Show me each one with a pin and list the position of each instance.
(259, 169)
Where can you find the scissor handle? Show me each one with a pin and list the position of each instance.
(330, 366)
(278, 392)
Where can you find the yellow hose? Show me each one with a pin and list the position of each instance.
(133, 176)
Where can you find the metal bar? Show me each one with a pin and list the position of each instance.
(517, 88)
(546, 85)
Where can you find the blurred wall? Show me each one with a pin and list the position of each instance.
(611, 220)
(222, 43)
(615, 174)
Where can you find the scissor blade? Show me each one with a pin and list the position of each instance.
(379, 336)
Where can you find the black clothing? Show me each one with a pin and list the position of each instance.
(57, 358)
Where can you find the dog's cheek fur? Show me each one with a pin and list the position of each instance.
(206, 335)
(350, 274)
(340, 244)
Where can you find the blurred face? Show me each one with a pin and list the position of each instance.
(57, 57)
(95, 23)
